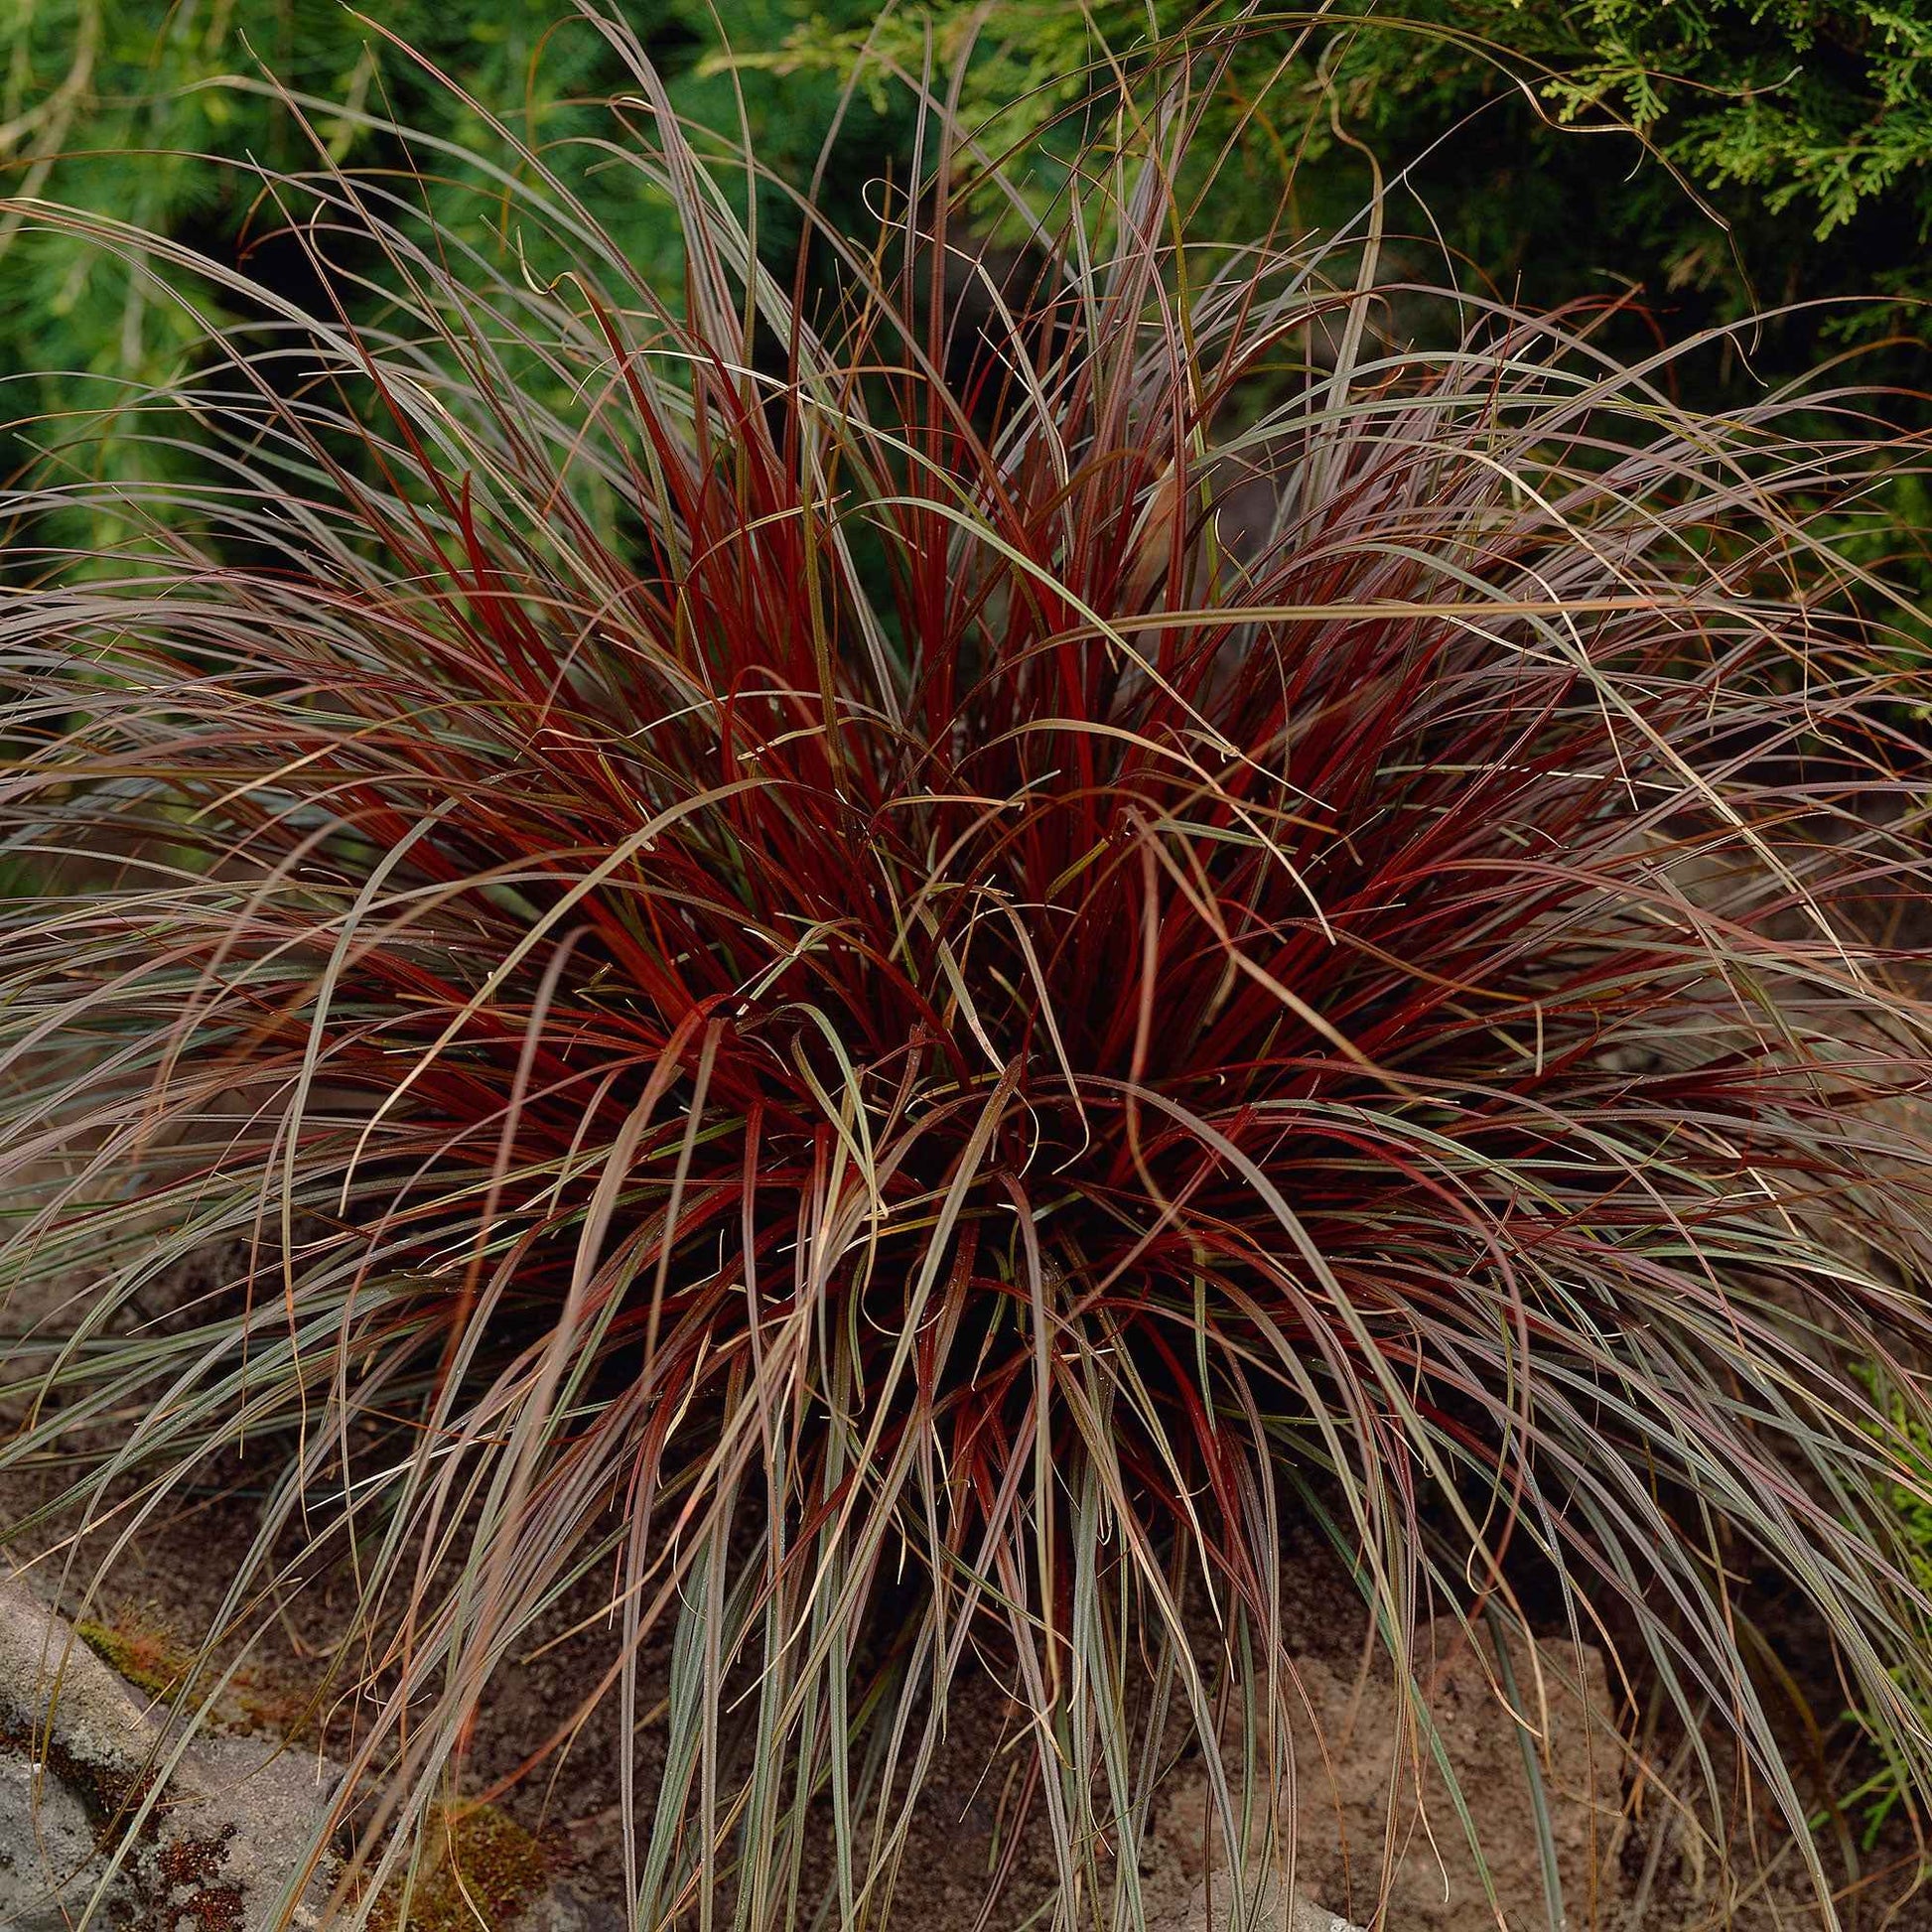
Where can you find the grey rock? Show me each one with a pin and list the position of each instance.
(557, 1910)
(604, 1915)
(49, 1867)
(1271, 1907)
(1371, 1835)
(99, 1805)
(52, 1682)
(274, 1796)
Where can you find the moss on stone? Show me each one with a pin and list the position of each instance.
(144, 1653)
(147, 1653)
(481, 1870)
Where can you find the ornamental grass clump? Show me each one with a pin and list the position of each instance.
(900, 975)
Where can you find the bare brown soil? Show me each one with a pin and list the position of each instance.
(1634, 1850)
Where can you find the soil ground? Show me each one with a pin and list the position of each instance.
(1634, 1850)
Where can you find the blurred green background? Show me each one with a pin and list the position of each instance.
(1718, 155)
